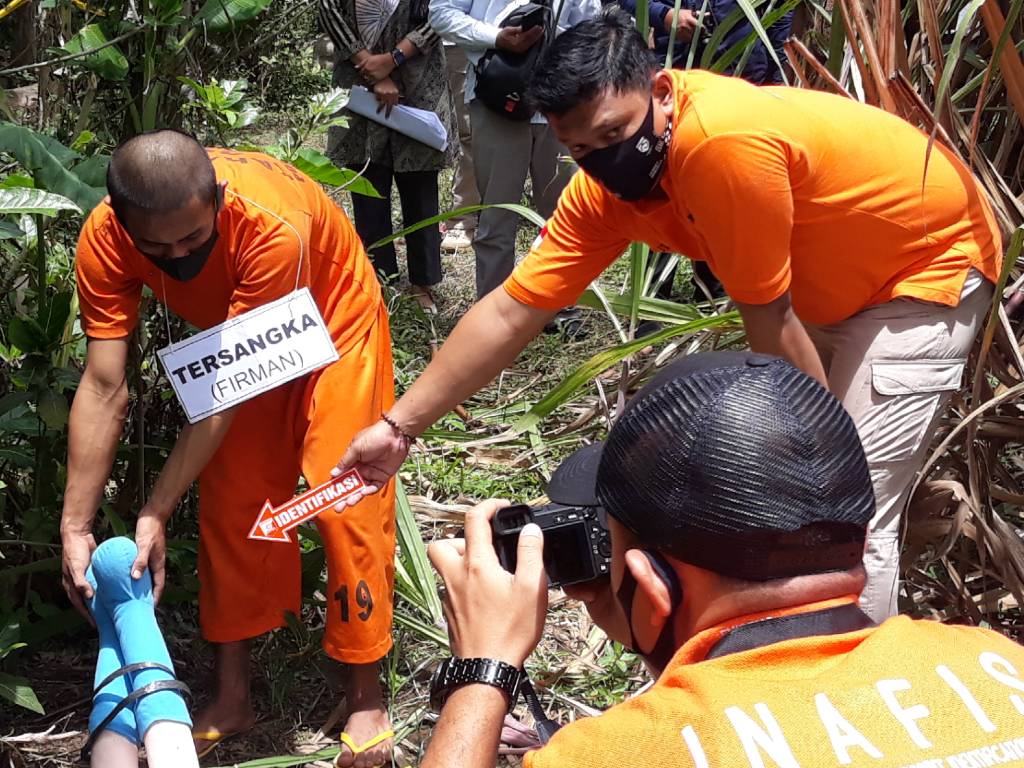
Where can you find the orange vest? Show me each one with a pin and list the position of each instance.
(256, 259)
(906, 694)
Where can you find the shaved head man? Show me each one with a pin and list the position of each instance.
(215, 234)
(164, 192)
(159, 172)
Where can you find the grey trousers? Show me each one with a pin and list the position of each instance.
(504, 152)
(464, 190)
(894, 367)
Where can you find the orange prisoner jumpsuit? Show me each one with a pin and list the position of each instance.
(907, 694)
(246, 587)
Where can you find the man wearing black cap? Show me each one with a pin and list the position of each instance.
(737, 496)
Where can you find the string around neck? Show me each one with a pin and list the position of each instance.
(302, 245)
(167, 311)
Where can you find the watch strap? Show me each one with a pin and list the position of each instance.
(398, 56)
(455, 672)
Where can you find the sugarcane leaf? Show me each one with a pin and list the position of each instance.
(602, 361)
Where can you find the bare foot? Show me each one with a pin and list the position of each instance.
(223, 717)
(230, 712)
(367, 719)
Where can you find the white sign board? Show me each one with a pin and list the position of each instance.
(248, 355)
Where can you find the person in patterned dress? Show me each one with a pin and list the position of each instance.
(388, 47)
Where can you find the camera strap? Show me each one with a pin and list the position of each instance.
(757, 634)
(543, 724)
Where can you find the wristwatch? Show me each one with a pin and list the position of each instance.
(454, 672)
(398, 56)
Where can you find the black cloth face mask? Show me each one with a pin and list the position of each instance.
(191, 264)
(630, 169)
(665, 647)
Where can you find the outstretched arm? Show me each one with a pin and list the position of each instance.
(485, 341)
(580, 239)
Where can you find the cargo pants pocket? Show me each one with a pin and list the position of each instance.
(906, 398)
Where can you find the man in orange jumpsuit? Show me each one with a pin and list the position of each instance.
(847, 248)
(737, 497)
(213, 234)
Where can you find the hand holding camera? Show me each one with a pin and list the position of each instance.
(685, 20)
(496, 579)
(577, 545)
(577, 548)
(491, 612)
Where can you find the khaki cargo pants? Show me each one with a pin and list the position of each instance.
(894, 366)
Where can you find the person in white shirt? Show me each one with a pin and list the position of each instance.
(505, 151)
(459, 231)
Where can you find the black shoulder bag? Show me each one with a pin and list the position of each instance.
(502, 76)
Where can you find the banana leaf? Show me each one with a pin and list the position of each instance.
(109, 62)
(34, 153)
(320, 168)
(21, 200)
(224, 15)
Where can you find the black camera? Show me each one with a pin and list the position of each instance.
(577, 546)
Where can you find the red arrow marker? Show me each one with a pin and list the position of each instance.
(274, 523)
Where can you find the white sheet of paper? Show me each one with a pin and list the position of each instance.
(248, 355)
(420, 124)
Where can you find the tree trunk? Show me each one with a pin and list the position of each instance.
(23, 24)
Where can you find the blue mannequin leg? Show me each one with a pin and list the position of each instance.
(130, 604)
(109, 659)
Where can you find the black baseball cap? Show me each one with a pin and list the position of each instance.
(735, 462)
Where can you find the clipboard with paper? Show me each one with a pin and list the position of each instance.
(419, 124)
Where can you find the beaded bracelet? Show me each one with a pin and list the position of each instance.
(394, 425)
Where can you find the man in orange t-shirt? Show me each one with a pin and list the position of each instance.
(736, 544)
(842, 254)
(213, 234)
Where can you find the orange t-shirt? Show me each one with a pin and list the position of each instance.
(782, 189)
(255, 260)
(907, 694)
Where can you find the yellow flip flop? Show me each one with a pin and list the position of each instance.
(214, 737)
(369, 744)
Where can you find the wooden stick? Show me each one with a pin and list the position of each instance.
(870, 89)
(855, 10)
(795, 63)
(795, 46)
